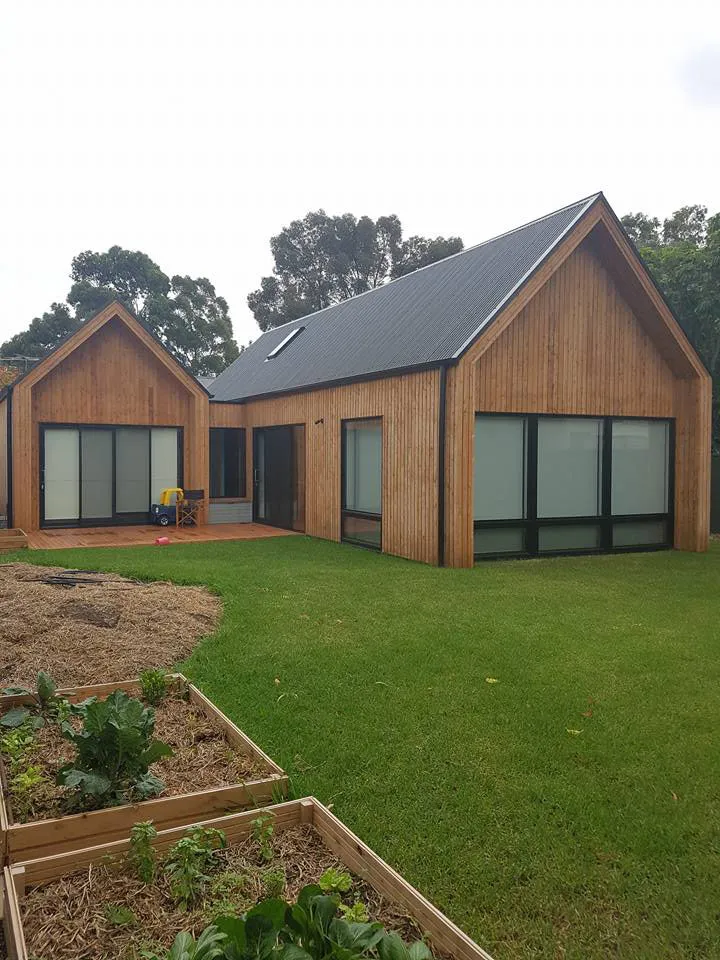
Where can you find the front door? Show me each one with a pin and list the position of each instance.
(274, 476)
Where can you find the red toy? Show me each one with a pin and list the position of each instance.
(162, 541)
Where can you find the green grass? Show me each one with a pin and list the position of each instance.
(538, 841)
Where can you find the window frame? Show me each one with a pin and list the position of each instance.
(605, 520)
(242, 480)
(360, 514)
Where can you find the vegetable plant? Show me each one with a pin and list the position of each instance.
(207, 947)
(335, 881)
(154, 686)
(115, 749)
(142, 854)
(45, 706)
(355, 913)
(188, 861)
(119, 915)
(262, 834)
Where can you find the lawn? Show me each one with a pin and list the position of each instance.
(569, 808)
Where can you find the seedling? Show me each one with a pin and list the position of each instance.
(188, 861)
(154, 686)
(142, 854)
(46, 707)
(262, 834)
(119, 916)
(335, 881)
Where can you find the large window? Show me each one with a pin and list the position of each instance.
(571, 484)
(227, 462)
(362, 482)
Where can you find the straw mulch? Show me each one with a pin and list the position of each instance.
(68, 918)
(109, 629)
(202, 758)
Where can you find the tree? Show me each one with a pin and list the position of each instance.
(322, 259)
(43, 334)
(187, 315)
(685, 262)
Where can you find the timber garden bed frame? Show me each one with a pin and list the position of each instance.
(41, 838)
(349, 848)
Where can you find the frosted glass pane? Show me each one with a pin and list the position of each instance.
(568, 480)
(646, 532)
(62, 474)
(571, 537)
(500, 540)
(164, 460)
(363, 466)
(499, 468)
(97, 467)
(132, 471)
(640, 466)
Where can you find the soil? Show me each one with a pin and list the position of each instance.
(202, 758)
(68, 918)
(88, 627)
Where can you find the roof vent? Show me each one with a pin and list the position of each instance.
(283, 343)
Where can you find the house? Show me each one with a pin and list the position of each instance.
(528, 396)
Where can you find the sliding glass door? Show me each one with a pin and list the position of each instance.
(554, 484)
(101, 475)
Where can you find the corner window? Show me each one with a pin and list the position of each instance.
(553, 484)
(361, 520)
(227, 462)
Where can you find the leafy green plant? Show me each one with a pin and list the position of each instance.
(273, 882)
(189, 860)
(115, 749)
(45, 706)
(335, 881)
(355, 913)
(154, 686)
(119, 915)
(22, 787)
(262, 834)
(142, 855)
(17, 744)
(206, 947)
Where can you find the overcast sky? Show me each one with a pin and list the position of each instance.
(194, 131)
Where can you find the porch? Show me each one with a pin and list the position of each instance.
(137, 535)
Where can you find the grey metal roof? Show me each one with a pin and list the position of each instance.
(424, 318)
(206, 382)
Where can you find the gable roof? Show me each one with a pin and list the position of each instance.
(422, 319)
(113, 310)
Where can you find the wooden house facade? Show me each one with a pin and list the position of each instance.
(530, 396)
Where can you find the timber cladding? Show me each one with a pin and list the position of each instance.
(116, 375)
(408, 406)
(576, 346)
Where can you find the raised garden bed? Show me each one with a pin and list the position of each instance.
(214, 769)
(12, 539)
(91, 902)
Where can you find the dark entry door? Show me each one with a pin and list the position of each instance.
(273, 461)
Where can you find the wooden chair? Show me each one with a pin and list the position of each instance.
(190, 508)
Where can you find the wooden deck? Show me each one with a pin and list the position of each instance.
(132, 536)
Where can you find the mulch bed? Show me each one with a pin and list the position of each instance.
(202, 758)
(68, 918)
(88, 627)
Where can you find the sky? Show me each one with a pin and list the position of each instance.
(194, 131)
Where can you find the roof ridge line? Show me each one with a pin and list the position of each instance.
(476, 246)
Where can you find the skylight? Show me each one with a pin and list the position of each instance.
(283, 343)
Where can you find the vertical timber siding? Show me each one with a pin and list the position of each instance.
(110, 378)
(3, 458)
(576, 347)
(409, 408)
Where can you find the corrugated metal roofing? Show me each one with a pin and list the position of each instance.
(423, 318)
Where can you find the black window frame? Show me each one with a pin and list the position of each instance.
(360, 514)
(117, 519)
(242, 481)
(605, 520)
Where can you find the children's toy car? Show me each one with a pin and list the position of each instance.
(165, 512)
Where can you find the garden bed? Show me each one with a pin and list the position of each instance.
(91, 903)
(214, 768)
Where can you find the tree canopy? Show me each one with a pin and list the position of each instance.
(186, 314)
(683, 254)
(322, 259)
